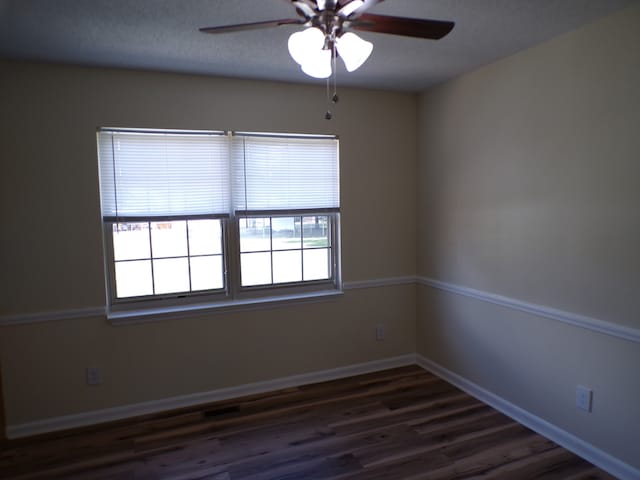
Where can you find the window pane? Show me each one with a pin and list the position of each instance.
(315, 231)
(255, 235)
(131, 241)
(285, 232)
(205, 237)
(316, 264)
(207, 273)
(255, 269)
(169, 239)
(133, 279)
(171, 275)
(287, 266)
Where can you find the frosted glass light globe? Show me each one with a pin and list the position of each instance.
(318, 65)
(304, 43)
(353, 50)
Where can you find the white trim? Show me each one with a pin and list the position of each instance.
(379, 282)
(51, 316)
(594, 324)
(181, 401)
(130, 317)
(598, 457)
(187, 311)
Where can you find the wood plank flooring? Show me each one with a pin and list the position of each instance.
(400, 424)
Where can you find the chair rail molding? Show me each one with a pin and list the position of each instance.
(185, 312)
(25, 318)
(601, 326)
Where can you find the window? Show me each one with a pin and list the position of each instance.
(276, 250)
(163, 257)
(286, 198)
(192, 217)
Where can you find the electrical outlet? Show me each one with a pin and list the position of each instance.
(380, 332)
(584, 398)
(94, 376)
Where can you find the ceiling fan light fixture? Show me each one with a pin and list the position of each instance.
(318, 64)
(353, 50)
(305, 44)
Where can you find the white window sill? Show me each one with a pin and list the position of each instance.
(188, 311)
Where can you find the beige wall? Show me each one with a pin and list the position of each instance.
(529, 187)
(52, 251)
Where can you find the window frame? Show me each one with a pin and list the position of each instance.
(334, 282)
(160, 300)
(233, 294)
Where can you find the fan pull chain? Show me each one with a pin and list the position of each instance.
(332, 98)
(328, 115)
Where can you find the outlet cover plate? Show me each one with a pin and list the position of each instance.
(584, 398)
(380, 332)
(94, 376)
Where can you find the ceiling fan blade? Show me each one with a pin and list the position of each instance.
(409, 27)
(306, 8)
(367, 4)
(253, 26)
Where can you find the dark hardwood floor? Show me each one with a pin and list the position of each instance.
(397, 424)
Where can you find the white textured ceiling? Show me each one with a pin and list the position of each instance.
(163, 35)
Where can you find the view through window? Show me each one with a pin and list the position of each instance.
(284, 249)
(152, 258)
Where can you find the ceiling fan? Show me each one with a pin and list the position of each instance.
(328, 33)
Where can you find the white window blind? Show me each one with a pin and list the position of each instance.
(155, 174)
(276, 173)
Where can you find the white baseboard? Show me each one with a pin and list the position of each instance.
(572, 443)
(134, 410)
(584, 449)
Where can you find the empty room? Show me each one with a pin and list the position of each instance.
(306, 239)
